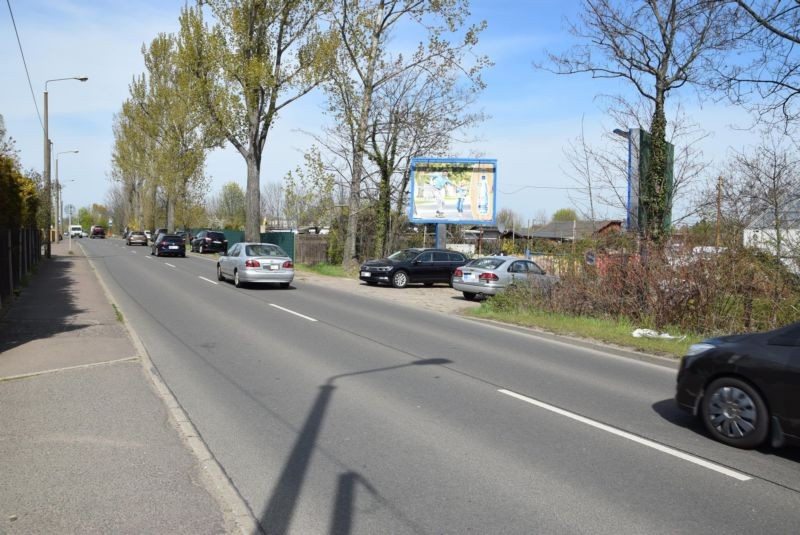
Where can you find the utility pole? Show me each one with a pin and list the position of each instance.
(719, 207)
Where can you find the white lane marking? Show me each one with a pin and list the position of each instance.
(208, 280)
(133, 252)
(292, 312)
(170, 265)
(147, 257)
(624, 434)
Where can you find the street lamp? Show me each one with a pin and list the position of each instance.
(59, 210)
(48, 189)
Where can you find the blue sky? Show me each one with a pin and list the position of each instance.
(534, 114)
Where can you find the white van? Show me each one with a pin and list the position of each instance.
(75, 231)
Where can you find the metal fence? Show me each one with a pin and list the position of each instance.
(20, 252)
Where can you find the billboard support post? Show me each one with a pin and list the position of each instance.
(441, 235)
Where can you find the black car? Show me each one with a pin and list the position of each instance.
(745, 388)
(168, 244)
(158, 232)
(209, 241)
(98, 232)
(427, 266)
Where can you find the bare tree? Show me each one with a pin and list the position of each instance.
(658, 46)
(273, 209)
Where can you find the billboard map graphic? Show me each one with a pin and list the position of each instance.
(456, 190)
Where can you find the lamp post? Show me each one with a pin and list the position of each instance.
(59, 210)
(47, 184)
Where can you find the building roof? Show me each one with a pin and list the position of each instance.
(567, 230)
(788, 217)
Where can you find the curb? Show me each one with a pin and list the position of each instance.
(215, 479)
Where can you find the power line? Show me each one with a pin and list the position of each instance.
(565, 188)
(21, 53)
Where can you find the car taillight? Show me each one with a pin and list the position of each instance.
(208, 239)
(164, 244)
(488, 277)
(252, 263)
(288, 264)
(458, 273)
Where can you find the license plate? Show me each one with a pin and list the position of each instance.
(468, 277)
(173, 246)
(365, 274)
(217, 242)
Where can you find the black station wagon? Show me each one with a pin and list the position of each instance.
(427, 266)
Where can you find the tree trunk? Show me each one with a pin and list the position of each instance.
(384, 212)
(170, 213)
(252, 226)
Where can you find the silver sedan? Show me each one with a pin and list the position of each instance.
(256, 263)
(491, 275)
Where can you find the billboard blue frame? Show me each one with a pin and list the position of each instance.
(457, 191)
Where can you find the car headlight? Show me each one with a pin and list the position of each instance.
(381, 268)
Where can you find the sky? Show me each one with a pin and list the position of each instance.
(533, 114)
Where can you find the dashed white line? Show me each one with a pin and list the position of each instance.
(147, 257)
(624, 434)
(292, 312)
(208, 280)
(168, 264)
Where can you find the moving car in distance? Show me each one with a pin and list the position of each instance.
(98, 232)
(491, 275)
(209, 241)
(149, 235)
(137, 237)
(168, 244)
(158, 232)
(745, 388)
(427, 266)
(75, 231)
(256, 263)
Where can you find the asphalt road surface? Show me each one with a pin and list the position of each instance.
(336, 413)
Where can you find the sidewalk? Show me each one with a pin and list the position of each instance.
(86, 444)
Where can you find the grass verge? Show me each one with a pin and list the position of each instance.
(118, 313)
(617, 332)
(330, 270)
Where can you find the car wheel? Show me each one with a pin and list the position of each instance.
(236, 282)
(220, 276)
(284, 285)
(183, 255)
(400, 279)
(734, 413)
(469, 296)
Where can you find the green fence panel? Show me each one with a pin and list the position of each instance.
(284, 240)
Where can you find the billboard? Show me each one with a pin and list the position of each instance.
(639, 155)
(453, 190)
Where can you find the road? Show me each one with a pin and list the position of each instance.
(336, 413)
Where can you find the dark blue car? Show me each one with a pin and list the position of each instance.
(168, 244)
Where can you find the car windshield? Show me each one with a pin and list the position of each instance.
(486, 263)
(404, 256)
(172, 239)
(216, 235)
(264, 249)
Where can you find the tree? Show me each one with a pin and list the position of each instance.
(509, 219)
(256, 59)
(658, 46)
(564, 214)
(273, 208)
(365, 64)
(228, 207)
(309, 193)
(768, 33)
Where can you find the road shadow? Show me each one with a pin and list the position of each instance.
(45, 308)
(276, 517)
(669, 410)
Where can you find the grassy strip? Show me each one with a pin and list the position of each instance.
(330, 270)
(118, 313)
(612, 331)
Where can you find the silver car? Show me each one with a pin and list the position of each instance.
(256, 263)
(491, 275)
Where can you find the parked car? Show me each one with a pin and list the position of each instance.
(209, 241)
(98, 232)
(75, 231)
(158, 232)
(491, 275)
(84, 234)
(183, 234)
(745, 388)
(168, 244)
(136, 237)
(257, 263)
(149, 235)
(427, 266)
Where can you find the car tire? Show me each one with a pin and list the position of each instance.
(400, 279)
(469, 296)
(220, 276)
(734, 413)
(284, 285)
(236, 281)
(183, 255)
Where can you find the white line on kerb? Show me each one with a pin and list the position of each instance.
(207, 280)
(624, 434)
(292, 312)
(170, 265)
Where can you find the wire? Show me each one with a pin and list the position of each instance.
(28, 74)
(567, 188)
